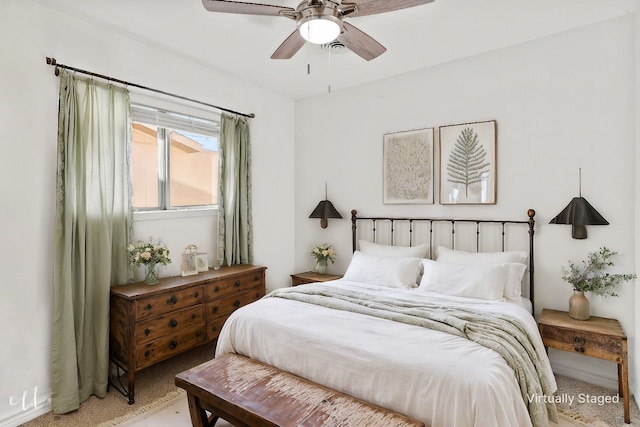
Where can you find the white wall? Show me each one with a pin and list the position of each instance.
(561, 103)
(28, 120)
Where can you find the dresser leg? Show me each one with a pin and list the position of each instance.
(131, 386)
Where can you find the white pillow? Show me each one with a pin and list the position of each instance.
(384, 271)
(483, 281)
(452, 256)
(419, 251)
(513, 288)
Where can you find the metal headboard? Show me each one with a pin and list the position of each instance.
(453, 223)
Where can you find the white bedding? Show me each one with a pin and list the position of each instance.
(441, 379)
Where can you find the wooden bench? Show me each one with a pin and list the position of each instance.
(248, 393)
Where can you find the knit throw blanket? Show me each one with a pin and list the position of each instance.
(501, 333)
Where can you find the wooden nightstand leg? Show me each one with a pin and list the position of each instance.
(623, 380)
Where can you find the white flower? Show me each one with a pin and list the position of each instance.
(324, 253)
(148, 253)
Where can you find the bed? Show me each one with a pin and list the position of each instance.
(432, 319)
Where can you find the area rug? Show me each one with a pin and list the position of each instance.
(172, 410)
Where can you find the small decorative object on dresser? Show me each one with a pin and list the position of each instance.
(323, 254)
(202, 262)
(590, 277)
(312, 277)
(151, 255)
(189, 261)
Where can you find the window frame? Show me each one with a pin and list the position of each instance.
(167, 121)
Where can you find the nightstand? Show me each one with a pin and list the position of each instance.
(311, 277)
(596, 337)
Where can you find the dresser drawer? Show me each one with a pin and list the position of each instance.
(214, 326)
(225, 306)
(234, 284)
(149, 330)
(167, 302)
(590, 344)
(218, 311)
(170, 345)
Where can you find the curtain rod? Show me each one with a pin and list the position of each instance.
(53, 62)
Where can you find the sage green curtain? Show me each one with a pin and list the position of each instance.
(235, 225)
(93, 221)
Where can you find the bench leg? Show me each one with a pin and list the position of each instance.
(199, 416)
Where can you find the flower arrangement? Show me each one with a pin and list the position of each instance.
(590, 276)
(323, 253)
(148, 253)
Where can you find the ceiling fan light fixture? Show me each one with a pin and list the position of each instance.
(320, 29)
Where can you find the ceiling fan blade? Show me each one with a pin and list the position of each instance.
(289, 47)
(360, 42)
(372, 7)
(244, 8)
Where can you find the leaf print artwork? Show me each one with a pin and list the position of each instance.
(468, 163)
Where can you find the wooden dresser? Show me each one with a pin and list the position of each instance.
(151, 323)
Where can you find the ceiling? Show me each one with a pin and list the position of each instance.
(415, 38)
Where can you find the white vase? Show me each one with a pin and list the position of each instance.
(321, 266)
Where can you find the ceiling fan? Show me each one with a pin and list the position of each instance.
(320, 22)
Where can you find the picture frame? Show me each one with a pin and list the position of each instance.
(189, 265)
(201, 262)
(408, 168)
(468, 170)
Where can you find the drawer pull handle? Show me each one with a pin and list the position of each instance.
(236, 303)
(173, 344)
(196, 294)
(214, 309)
(237, 284)
(147, 307)
(147, 331)
(173, 323)
(172, 300)
(256, 278)
(579, 344)
(193, 316)
(147, 353)
(216, 289)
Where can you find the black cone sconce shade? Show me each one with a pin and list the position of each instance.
(324, 210)
(579, 213)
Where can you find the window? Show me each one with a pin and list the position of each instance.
(174, 160)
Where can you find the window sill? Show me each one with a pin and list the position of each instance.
(174, 214)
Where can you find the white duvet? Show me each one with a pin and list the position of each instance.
(438, 378)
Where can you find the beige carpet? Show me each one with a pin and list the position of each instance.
(173, 411)
(160, 403)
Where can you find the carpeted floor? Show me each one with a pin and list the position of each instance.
(156, 383)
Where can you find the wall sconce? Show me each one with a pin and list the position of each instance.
(325, 210)
(579, 213)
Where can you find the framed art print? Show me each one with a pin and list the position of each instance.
(468, 163)
(408, 167)
(202, 262)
